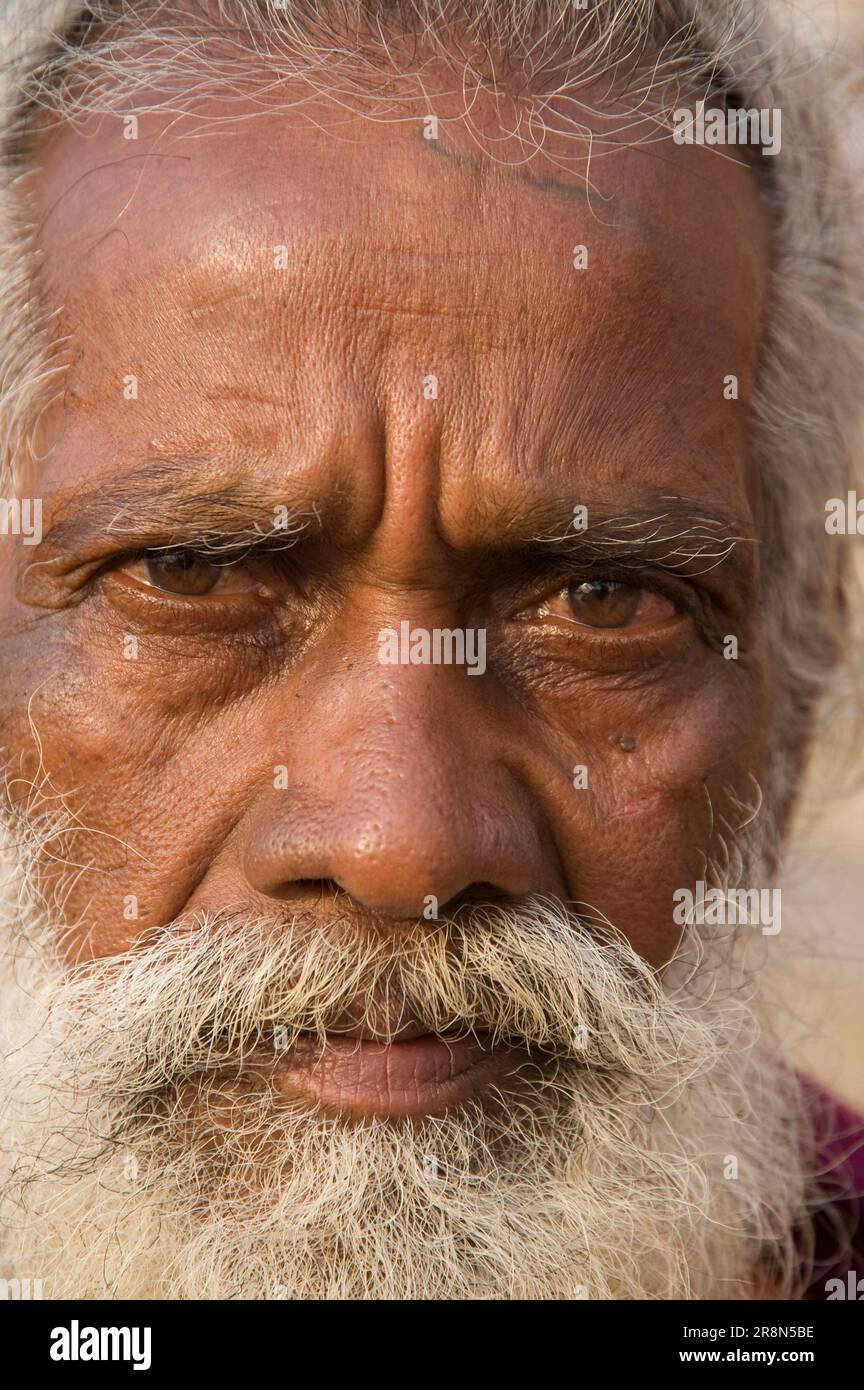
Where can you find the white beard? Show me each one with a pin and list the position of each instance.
(661, 1160)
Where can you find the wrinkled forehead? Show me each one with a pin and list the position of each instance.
(229, 259)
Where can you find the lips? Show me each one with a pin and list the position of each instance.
(415, 1075)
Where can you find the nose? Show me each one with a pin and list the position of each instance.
(397, 798)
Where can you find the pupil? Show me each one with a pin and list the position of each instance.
(182, 572)
(603, 603)
(599, 588)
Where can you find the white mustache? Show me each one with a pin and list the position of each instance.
(203, 994)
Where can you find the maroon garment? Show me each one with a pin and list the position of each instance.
(838, 1217)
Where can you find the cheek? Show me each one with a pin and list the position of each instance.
(147, 791)
(668, 781)
(70, 712)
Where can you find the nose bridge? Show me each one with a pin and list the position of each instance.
(396, 796)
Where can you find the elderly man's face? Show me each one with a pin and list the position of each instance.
(376, 349)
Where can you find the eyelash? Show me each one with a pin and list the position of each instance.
(221, 558)
(639, 575)
(687, 597)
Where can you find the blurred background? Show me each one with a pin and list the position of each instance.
(820, 988)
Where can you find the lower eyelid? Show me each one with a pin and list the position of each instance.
(148, 608)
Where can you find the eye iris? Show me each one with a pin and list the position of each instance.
(603, 603)
(182, 572)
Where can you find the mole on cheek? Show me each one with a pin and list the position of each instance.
(625, 741)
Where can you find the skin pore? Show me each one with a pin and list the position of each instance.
(281, 290)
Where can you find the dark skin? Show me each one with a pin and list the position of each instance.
(302, 387)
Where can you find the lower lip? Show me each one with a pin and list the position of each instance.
(423, 1076)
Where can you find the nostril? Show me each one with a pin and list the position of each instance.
(317, 887)
(479, 894)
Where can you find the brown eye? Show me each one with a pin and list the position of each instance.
(604, 603)
(182, 572)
